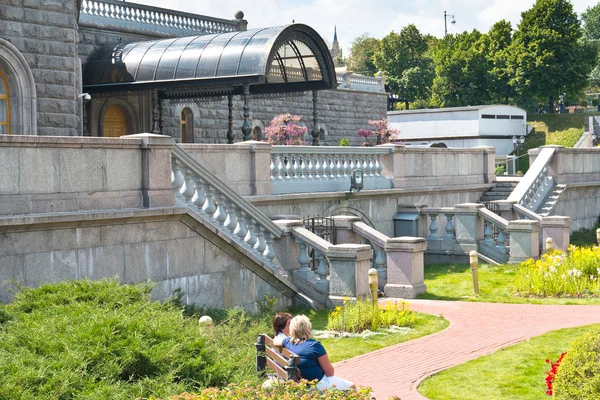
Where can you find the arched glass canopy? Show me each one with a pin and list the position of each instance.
(291, 58)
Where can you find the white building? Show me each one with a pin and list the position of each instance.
(491, 125)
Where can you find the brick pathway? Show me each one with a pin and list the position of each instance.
(475, 329)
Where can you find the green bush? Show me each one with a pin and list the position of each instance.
(285, 391)
(103, 340)
(572, 274)
(500, 169)
(578, 376)
(360, 315)
(584, 236)
(344, 142)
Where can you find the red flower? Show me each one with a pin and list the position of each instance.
(551, 375)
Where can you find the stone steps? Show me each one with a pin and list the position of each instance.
(551, 200)
(500, 191)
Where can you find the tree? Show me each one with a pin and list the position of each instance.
(499, 40)
(362, 51)
(546, 55)
(462, 70)
(591, 23)
(401, 57)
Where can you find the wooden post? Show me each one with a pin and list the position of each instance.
(474, 264)
(261, 358)
(373, 284)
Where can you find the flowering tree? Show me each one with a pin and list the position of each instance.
(380, 131)
(284, 130)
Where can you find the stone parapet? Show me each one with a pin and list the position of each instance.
(524, 240)
(558, 229)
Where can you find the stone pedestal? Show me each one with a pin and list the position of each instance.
(405, 267)
(348, 273)
(524, 240)
(344, 231)
(156, 169)
(286, 248)
(260, 167)
(468, 226)
(557, 228)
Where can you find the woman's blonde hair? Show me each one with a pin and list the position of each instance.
(300, 329)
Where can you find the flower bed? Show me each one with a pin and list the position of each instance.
(360, 315)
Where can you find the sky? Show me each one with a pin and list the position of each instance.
(376, 17)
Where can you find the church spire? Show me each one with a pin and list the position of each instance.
(335, 35)
(335, 47)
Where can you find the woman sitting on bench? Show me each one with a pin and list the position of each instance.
(281, 325)
(314, 361)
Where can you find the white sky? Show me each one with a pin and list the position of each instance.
(354, 17)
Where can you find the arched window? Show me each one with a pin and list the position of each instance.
(4, 106)
(115, 122)
(187, 126)
(257, 133)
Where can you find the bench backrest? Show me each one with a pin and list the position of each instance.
(278, 358)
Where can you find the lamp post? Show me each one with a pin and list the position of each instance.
(445, 24)
(518, 143)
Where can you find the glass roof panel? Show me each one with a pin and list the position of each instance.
(230, 59)
(151, 59)
(255, 49)
(189, 58)
(132, 61)
(168, 63)
(209, 60)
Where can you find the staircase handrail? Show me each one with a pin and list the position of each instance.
(208, 176)
(311, 239)
(527, 213)
(531, 184)
(492, 217)
(338, 150)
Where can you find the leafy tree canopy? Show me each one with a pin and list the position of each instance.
(361, 56)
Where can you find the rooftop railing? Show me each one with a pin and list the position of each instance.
(147, 18)
(352, 81)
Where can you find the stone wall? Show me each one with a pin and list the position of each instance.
(45, 33)
(134, 246)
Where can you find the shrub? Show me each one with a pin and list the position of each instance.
(584, 236)
(285, 391)
(595, 102)
(284, 130)
(382, 133)
(579, 374)
(85, 339)
(360, 315)
(575, 274)
(500, 169)
(344, 142)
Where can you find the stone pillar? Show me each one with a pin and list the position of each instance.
(286, 247)
(344, 232)
(156, 167)
(260, 161)
(349, 271)
(468, 226)
(506, 209)
(557, 228)
(489, 164)
(524, 240)
(405, 267)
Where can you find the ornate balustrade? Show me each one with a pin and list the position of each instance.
(349, 80)
(155, 19)
(494, 243)
(301, 169)
(537, 182)
(222, 208)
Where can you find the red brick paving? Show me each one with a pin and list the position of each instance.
(475, 329)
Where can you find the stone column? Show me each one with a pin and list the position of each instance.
(405, 267)
(489, 165)
(343, 229)
(557, 228)
(506, 209)
(349, 271)
(156, 167)
(524, 240)
(468, 226)
(260, 160)
(285, 247)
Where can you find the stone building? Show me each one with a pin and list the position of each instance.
(46, 46)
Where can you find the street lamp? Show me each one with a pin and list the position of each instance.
(445, 24)
(518, 144)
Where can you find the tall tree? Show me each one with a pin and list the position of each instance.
(361, 56)
(401, 57)
(546, 56)
(591, 23)
(462, 70)
(499, 40)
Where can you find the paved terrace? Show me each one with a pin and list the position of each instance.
(476, 329)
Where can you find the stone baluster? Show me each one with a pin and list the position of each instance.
(220, 214)
(322, 271)
(380, 264)
(260, 245)
(488, 234)
(303, 168)
(272, 167)
(230, 222)
(280, 166)
(310, 167)
(198, 198)
(176, 179)
(188, 189)
(303, 259)
(250, 237)
(269, 252)
(325, 167)
(501, 246)
(433, 228)
(240, 229)
(449, 227)
(209, 205)
(337, 168)
(317, 168)
(294, 167)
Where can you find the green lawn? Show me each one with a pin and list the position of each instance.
(454, 282)
(514, 373)
(344, 348)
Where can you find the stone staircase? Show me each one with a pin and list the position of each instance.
(551, 200)
(502, 189)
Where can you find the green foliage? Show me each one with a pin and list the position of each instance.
(500, 169)
(278, 391)
(585, 237)
(578, 376)
(362, 51)
(344, 142)
(84, 339)
(591, 23)
(499, 39)
(360, 315)
(546, 55)
(595, 102)
(572, 274)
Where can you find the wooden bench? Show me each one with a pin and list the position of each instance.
(278, 358)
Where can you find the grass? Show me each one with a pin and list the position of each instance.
(517, 372)
(454, 282)
(341, 349)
